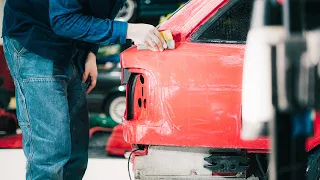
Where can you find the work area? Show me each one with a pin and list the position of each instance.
(160, 90)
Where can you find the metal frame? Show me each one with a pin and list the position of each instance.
(289, 128)
(177, 163)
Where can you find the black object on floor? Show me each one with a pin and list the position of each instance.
(97, 145)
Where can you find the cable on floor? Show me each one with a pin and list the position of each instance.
(129, 161)
(260, 167)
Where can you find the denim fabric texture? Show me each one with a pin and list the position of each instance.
(52, 113)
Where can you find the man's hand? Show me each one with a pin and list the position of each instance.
(90, 71)
(148, 35)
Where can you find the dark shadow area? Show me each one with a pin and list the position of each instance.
(97, 146)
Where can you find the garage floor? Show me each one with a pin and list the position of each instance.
(100, 167)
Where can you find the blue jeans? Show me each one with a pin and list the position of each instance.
(52, 113)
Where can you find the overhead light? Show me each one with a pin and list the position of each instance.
(121, 88)
(115, 74)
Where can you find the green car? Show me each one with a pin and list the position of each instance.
(101, 120)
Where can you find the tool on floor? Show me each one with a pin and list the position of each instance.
(167, 36)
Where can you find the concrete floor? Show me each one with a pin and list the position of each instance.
(12, 167)
(100, 167)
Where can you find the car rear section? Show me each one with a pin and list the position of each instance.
(186, 109)
(183, 111)
(184, 106)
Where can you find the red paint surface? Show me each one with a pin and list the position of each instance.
(281, 1)
(315, 140)
(191, 17)
(116, 145)
(11, 142)
(10, 115)
(98, 129)
(193, 93)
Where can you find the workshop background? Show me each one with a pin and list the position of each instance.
(107, 157)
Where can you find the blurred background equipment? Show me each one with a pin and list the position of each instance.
(285, 94)
(101, 120)
(109, 95)
(8, 121)
(6, 82)
(147, 10)
(164, 18)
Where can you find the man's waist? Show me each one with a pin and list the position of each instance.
(50, 46)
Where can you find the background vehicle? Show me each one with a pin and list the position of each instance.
(8, 122)
(116, 145)
(184, 106)
(109, 95)
(6, 82)
(147, 9)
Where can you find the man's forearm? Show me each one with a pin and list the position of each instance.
(67, 21)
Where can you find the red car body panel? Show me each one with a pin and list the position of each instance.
(11, 142)
(190, 96)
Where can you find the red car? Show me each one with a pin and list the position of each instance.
(184, 105)
(116, 145)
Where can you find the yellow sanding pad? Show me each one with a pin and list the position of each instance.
(167, 36)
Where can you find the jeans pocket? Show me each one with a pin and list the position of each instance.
(12, 51)
(16, 46)
(22, 110)
(33, 67)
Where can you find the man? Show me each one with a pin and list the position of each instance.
(50, 48)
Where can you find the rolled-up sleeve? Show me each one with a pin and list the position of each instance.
(67, 20)
(94, 49)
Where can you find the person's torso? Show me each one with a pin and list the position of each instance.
(28, 22)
